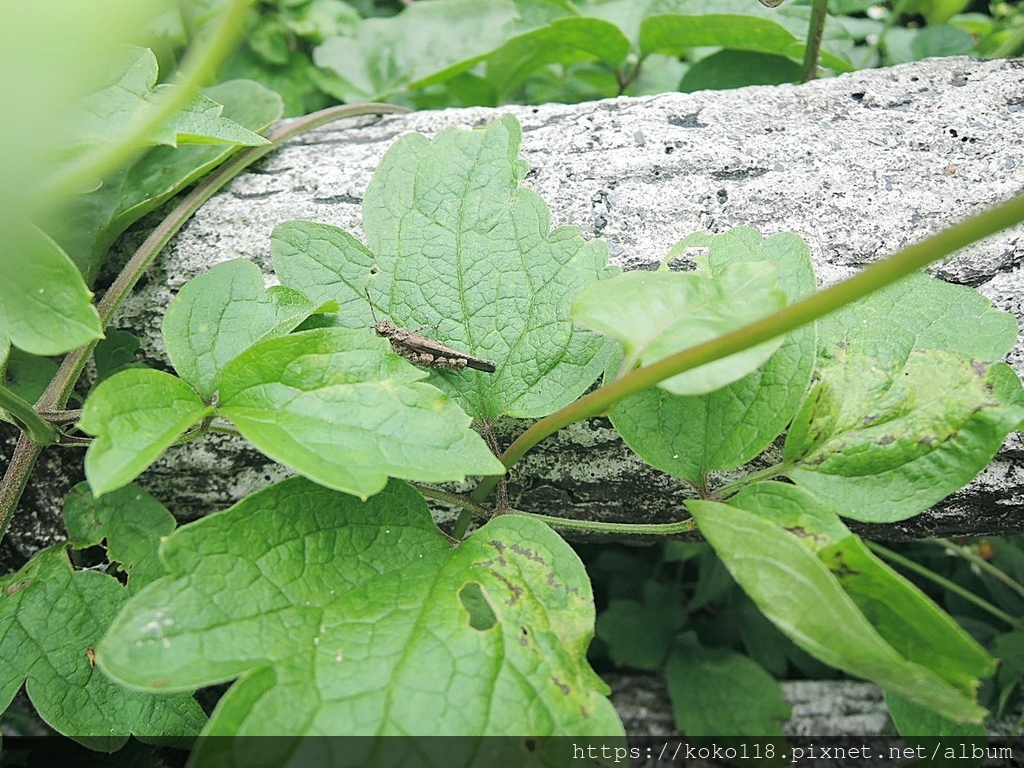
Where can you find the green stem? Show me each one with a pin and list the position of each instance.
(59, 390)
(649, 529)
(478, 510)
(455, 499)
(35, 427)
(981, 563)
(757, 476)
(870, 279)
(945, 583)
(200, 67)
(815, 32)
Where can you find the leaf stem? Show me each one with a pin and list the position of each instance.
(871, 278)
(816, 29)
(35, 427)
(767, 473)
(594, 526)
(59, 390)
(456, 499)
(981, 563)
(945, 583)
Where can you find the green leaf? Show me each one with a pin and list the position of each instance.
(738, 69)
(796, 591)
(941, 40)
(564, 41)
(28, 376)
(270, 41)
(426, 43)
(689, 436)
(220, 314)
(135, 416)
(674, 26)
(459, 247)
(340, 407)
(909, 621)
(129, 520)
(325, 264)
(919, 312)
(297, 84)
(51, 619)
(657, 314)
(882, 445)
(933, 735)
(901, 613)
(45, 307)
(717, 692)
(86, 225)
(133, 92)
(639, 634)
(115, 353)
(349, 617)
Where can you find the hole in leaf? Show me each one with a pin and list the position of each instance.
(481, 617)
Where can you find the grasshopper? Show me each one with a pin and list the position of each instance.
(423, 351)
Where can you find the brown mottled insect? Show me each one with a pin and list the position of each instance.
(423, 351)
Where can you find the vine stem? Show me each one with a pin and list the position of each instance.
(39, 431)
(981, 563)
(815, 32)
(59, 390)
(871, 278)
(945, 583)
(650, 529)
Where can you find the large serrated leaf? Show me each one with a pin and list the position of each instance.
(689, 436)
(459, 248)
(349, 617)
(338, 406)
(794, 589)
(51, 619)
(219, 314)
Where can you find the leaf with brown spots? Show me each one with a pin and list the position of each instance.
(368, 611)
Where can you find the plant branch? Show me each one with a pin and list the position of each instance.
(478, 510)
(594, 526)
(981, 563)
(35, 427)
(815, 32)
(870, 279)
(945, 583)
